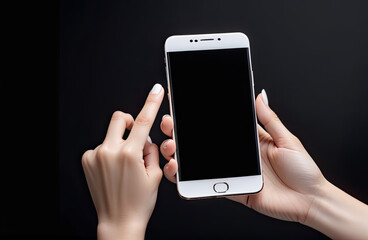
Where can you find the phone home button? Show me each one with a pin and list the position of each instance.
(220, 187)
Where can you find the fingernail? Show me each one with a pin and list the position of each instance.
(264, 96)
(166, 115)
(149, 139)
(156, 88)
(165, 144)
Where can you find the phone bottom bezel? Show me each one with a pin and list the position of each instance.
(198, 189)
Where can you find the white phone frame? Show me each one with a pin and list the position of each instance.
(207, 188)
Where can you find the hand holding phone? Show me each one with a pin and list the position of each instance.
(294, 189)
(292, 179)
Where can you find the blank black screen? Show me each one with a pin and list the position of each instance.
(213, 114)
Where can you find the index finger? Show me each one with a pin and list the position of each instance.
(143, 122)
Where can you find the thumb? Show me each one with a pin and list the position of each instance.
(273, 125)
(151, 160)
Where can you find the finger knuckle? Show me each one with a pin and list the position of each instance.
(85, 158)
(272, 118)
(128, 152)
(129, 116)
(151, 100)
(103, 153)
(143, 120)
(297, 140)
(118, 115)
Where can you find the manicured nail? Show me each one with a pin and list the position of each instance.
(156, 88)
(166, 115)
(264, 96)
(165, 144)
(149, 139)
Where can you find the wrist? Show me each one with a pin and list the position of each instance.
(337, 214)
(121, 230)
(319, 198)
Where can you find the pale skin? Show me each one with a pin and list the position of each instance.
(123, 177)
(294, 187)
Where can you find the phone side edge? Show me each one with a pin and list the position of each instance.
(171, 110)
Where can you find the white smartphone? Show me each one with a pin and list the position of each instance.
(211, 94)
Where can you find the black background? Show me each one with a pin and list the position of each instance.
(62, 78)
(214, 86)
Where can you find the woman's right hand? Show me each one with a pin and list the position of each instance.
(123, 175)
(294, 187)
